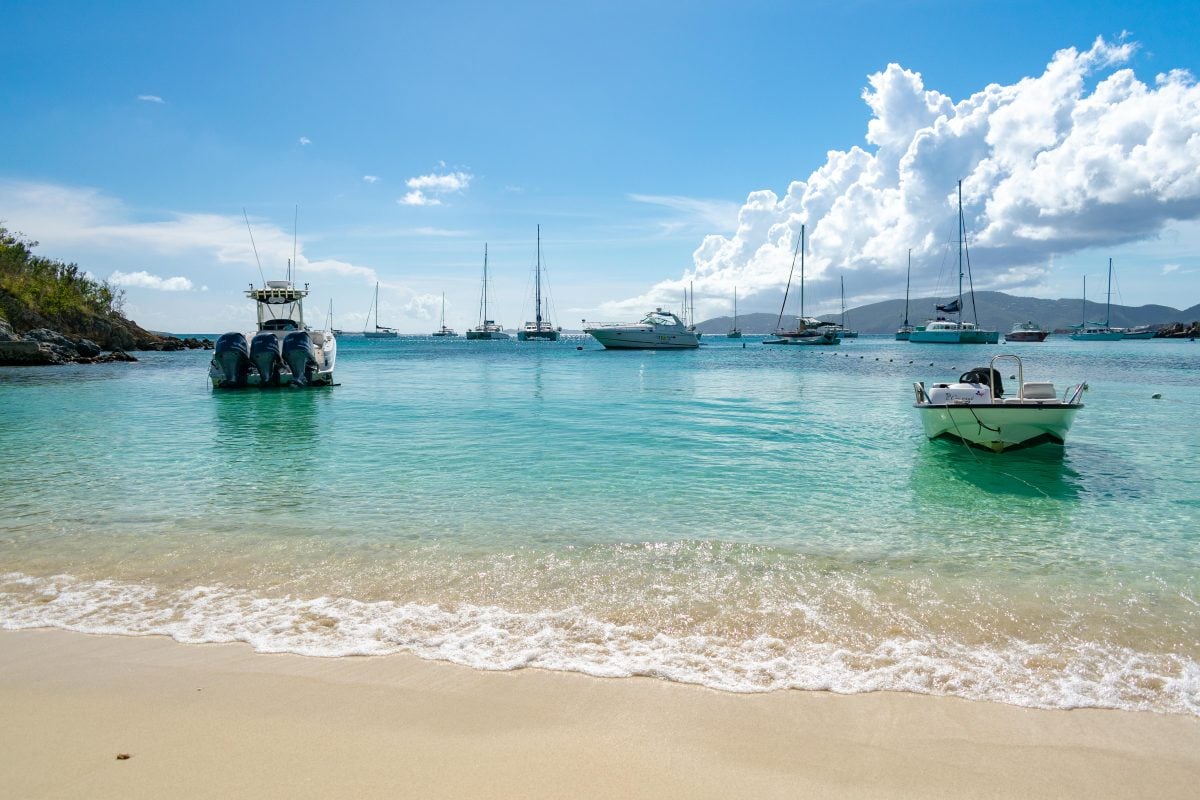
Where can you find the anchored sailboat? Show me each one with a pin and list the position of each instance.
(442, 329)
(809, 330)
(379, 331)
(539, 330)
(956, 331)
(487, 328)
(735, 332)
(905, 330)
(842, 330)
(1094, 331)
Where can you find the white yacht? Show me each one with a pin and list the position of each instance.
(487, 328)
(976, 410)
(658, 330)
(282, 352)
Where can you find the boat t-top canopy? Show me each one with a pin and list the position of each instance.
(280, 306)
(660, 317)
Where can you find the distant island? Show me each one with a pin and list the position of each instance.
(52, 312)
(997, 311)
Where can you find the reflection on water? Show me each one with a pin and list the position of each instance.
(1043, 471)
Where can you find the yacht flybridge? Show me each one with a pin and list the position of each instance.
(282, 352)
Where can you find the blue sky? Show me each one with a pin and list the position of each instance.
(409, 135)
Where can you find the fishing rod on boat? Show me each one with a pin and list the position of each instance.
(254, 246)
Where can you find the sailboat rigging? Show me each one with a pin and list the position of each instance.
(906, 329)
(540, 329)
(442, 329)
(734, 332)
(487, 328)
(379, 331)
(809, 330)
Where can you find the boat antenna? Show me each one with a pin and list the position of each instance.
(254, 246)
(799, 245)
(295, 226)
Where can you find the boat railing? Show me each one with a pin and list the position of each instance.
(1073, 393)
(1020, 375)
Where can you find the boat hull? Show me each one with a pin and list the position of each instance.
(645, 340)
(954, 337)
(1104, 336)
(1026, 336)
(538, 336)
(1137, 335)
(495, 335)
(902, 335)
(733, 335)
(999, 427)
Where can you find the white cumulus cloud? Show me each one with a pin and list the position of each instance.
(144, 280)
(1083, 155)
(428, 190)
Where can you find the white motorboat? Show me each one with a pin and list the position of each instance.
(487, 328)
(658, 330)
(976, 410)
(282, 352)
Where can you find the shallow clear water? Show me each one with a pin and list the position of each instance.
(747, 518)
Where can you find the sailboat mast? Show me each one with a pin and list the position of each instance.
(485, 311)
(907, 279)
(788, 286)
(735, 307)
(1084, 306)
(1108, 299)
(801, 278)
(842, 278)
(538, 279)
(692, 307)
(962, 226)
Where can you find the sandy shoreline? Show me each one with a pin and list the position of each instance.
(223, 721)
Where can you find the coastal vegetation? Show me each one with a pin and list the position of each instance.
(52, 311)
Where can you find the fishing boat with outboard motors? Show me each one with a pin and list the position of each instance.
(282, 352)
(976, 410)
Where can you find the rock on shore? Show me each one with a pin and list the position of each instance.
(43, 347)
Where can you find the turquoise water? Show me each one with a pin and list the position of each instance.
(746, 518)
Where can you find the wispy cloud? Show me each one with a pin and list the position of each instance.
(428, 190)
(719, 214)
(151, 98)
(1169, 268)
(370, 178)
(438, 232)
(305, 141)
(144, 280)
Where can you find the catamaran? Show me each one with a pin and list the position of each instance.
(540, 329)
(487, 328)
(842, 330)
(956, 331)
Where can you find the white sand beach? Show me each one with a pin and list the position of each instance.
(223, 721)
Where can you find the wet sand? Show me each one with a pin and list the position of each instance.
(202, 721)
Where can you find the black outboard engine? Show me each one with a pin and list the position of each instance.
(231, 355)
(266, 357)
(988, 376)
(301, 356)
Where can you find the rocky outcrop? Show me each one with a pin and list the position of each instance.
(1179, 330)
(44, 347)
